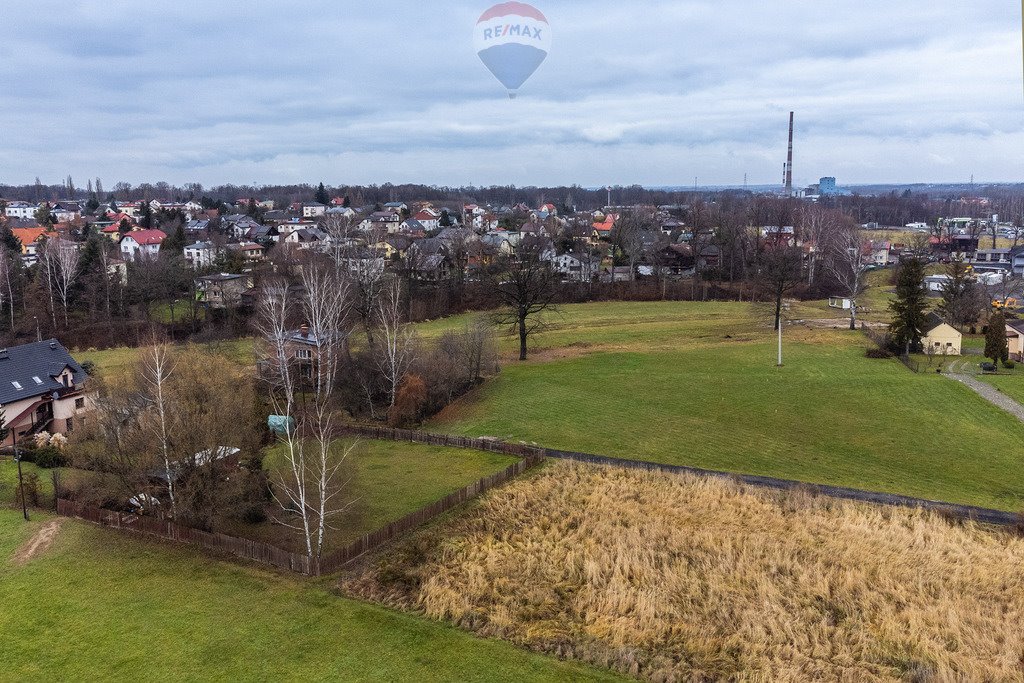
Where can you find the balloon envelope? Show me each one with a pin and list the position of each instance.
(512, 39)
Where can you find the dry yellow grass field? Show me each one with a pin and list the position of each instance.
(672, 578)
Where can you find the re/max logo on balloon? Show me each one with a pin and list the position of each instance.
(510, 30)
(512, 39)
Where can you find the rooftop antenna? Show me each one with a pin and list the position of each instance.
(789, 158)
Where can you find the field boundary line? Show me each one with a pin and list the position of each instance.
(968, 512)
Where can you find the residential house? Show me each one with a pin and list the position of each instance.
(428, 217)
(238, 225)
(602, 229)
(382, 221)
(42, 388)
(879, 253)
(992, 260)
(263, 233)
(142, 244)
(940, 338)
(201, 254)
(66, 212)
(576, 267)
(197, 227)
(30, 237)
(304, 238)
(1015, 339)
(1017, 260)
(313, 210)
(250, 252)
(413, 228)
(17, 209)
(222, 290)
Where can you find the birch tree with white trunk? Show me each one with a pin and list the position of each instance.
(396, 351)
(157, 366)
(846, 262)
(62, 258)
(308, 488)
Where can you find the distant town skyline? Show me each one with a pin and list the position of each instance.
(652, 93)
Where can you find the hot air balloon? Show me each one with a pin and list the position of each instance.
(512, 39)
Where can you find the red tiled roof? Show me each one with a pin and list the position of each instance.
(147, 236)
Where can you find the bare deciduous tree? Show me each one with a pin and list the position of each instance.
(397, 348)
(308, 489)
(62, 258)
(156, 368)
(846, 262)
(526, 286)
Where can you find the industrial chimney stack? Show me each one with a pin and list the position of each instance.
(789, 159)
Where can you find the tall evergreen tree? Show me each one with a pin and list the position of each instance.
(995, 338)
(321, 194)
(908, 309)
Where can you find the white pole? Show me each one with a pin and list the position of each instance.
(780, 340)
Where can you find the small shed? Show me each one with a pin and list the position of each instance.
(843, 302)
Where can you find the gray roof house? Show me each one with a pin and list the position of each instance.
(42, 388)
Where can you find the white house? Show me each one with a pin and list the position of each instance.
(313, 210)
(142, 244)
(575, 268)
(201, 254)
(20, 210)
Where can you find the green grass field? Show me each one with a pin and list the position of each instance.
(101, 606)
(385, 481)
(388, 480)
(121, 357)
(696, 384)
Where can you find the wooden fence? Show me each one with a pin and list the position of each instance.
(492, 445)
(375, 539)
(283, 559)
(241, 547)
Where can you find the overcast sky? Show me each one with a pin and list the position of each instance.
(633, 91)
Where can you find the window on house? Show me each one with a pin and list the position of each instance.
(79, 403)
(303, 354)
(69, 424)
(17, 385)
(37, 380)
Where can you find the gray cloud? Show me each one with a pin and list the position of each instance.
(650, 92)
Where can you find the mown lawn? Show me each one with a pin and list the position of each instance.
(1010, 382)
(101, 606)
(710, 396)
(385, 481)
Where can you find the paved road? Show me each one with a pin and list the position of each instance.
(990, 394)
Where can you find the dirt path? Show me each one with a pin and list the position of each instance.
(990, 394)
(39, 543)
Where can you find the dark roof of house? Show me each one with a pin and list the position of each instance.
(24, 363)
(1017, 325)
(931, 321)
